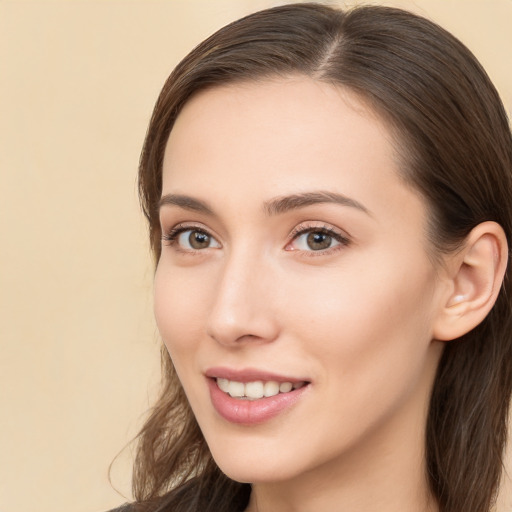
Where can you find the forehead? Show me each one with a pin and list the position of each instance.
(248, 142)
(269, 123)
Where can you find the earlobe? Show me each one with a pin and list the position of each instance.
(476, 276)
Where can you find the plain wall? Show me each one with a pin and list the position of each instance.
(79, 350)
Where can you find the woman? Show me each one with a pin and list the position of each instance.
(328, 196)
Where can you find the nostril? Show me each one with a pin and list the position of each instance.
(230, 332)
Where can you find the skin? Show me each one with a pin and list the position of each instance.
(356, 319)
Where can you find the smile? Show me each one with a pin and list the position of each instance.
(256, 389)
(251, 397)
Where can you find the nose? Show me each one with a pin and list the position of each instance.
(243, 307)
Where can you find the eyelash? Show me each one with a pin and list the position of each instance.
(171, 237)
(304, 229)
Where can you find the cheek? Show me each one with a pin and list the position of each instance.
(178, 307)
(368, 334)
(366, 319)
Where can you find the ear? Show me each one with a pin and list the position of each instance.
(474, 281)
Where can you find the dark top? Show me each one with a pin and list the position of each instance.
(194, 495)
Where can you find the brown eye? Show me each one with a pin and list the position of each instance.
(198, 240)
(321, 240)
(317, 240)
(195, 240)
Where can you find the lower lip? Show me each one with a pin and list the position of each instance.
(250, 412)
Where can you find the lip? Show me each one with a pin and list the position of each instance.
(249, 375)
(251, 412)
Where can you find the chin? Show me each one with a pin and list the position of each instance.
(243, 473)
(259, 465)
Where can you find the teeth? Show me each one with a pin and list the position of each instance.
(257, 389)
(236, 389)
(254, 389)
(271, 388)
(284, 387)
(223, 384)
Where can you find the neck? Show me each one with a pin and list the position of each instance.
(372, 483)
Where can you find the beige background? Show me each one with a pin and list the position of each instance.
(79, 352)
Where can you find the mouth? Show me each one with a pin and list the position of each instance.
(256, 389)
(251, 397)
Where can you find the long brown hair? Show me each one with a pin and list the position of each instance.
(455, 147)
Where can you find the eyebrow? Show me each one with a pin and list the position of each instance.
(276, 206)
(185, 202)
(284, 204)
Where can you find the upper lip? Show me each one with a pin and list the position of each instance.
(249, 375)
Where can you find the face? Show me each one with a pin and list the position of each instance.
(294, 290)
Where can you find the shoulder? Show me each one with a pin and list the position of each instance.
(159, 505)
(124, 508)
